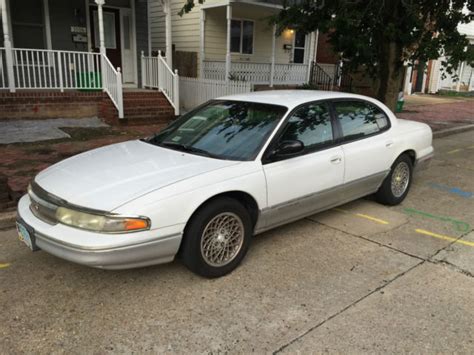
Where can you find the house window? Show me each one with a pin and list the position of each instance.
(110, 39)
(298, 52)
(28, 27)
(241, 36)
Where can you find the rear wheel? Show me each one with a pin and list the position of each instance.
(217, 238)
(397, 183)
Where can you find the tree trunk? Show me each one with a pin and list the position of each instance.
(390, 75)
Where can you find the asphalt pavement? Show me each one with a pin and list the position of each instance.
(361, 278)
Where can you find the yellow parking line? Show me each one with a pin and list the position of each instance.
(373, 219)
(381, 221)
(444, 237)
(470, 147)
(454, 151)
(4, 266)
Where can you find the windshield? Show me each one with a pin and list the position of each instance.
(234, 130)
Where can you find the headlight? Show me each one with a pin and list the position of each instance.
(100, 223)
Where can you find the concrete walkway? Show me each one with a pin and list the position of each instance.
(42, 130)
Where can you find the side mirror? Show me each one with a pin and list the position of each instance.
(288, 148)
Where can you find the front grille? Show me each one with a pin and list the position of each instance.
(42, 205)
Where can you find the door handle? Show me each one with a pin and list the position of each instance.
(336, 160)
(389, 144)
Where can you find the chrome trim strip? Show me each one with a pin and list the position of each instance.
(307, 205)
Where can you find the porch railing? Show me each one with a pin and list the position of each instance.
(41, 69)
(257, 73)
(112, 83)
(156, 74)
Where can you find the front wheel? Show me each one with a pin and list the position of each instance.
(217, 238)
(397, 183)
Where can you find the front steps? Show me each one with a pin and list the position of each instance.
(140, 107)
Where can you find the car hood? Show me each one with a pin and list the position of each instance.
(107, 177)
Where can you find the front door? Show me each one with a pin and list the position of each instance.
(112, 36)
(309, 181)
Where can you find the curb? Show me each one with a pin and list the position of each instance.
(7, 220)
(454, 130)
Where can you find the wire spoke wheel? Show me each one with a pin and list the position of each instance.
(222, 239)
(400, 179)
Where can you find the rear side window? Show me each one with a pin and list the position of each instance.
(359, 119)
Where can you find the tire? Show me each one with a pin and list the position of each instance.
(214, 253)
(396, 185)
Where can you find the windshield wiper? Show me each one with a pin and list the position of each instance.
(187, 148)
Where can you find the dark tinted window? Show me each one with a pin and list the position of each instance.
(359, 119)
(311, 124)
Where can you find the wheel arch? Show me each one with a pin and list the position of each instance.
(246, 199)
(411, 154)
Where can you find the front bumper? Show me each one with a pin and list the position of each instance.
(118, 251)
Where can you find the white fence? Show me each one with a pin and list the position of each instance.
(257, 73)
(156, 74)
(112, 83)
(194, 92)
(41, 69)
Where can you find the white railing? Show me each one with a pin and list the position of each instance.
(194, 92)
(112, 83)
(257, 73)
(42, 69)
(156, 74)
(52, 69)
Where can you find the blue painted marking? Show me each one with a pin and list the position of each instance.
(453, 190)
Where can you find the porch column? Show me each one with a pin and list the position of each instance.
(169, 42)
(309, 55)
(100, 14)
(8, 46)
(272, 70)
(202, 50)
(227, 55)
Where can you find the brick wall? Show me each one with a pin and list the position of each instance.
(41, 105)
(325, 53)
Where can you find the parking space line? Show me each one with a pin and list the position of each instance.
(381, 221)
(4, 265)
(361, 215)
(454, 151)
(444, 237)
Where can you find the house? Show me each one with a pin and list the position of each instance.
(434, 78)
(75, 58)
(232, 40)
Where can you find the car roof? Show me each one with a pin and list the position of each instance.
(290, 98)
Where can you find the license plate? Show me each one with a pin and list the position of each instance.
(24, 235)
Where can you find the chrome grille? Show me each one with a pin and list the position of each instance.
(40, 206)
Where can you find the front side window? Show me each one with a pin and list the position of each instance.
(310, 124)
(241, 36)
(234, 130)
(359, 119)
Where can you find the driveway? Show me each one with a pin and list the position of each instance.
(358, 278)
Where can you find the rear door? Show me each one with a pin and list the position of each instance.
(308, 181)
(367, 144)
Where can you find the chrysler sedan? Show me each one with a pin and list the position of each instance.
(205, 185)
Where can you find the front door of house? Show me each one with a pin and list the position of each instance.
(112, 38)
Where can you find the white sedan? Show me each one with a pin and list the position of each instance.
(232, 168)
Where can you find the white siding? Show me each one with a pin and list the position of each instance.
(186, 31)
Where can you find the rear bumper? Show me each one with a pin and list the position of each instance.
(153, 247)
(424, 162)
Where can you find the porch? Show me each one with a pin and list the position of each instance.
(73, 48)
(239, 44)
